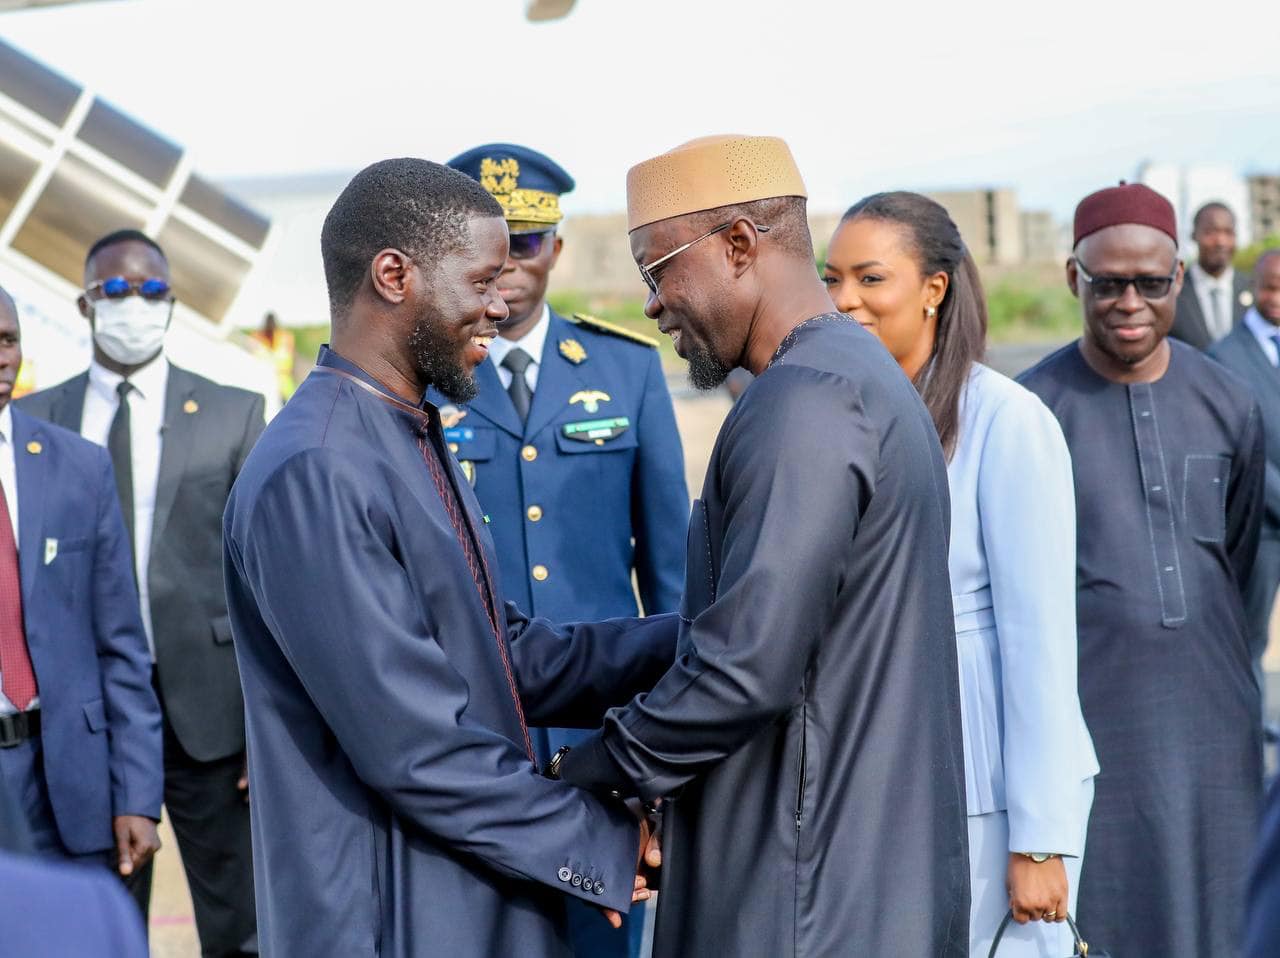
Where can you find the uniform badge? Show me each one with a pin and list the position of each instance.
(590, 399)
(34, 448)
(190, 407)
(1246, 298)
(573, 351)
(451, 415)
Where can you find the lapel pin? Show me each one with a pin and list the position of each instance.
(34, 448)
(573, 351)
(1246, 298)
(50, 550)
(190, 406)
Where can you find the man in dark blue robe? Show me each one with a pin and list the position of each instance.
(1168, 455)
(397, 808)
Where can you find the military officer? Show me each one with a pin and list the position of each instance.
(572, 447)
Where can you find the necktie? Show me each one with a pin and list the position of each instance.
(120, 445)
(521, 395)
(1221, 323)
(1275, 338)
(17, 677)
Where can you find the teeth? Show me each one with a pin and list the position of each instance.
(482, 340)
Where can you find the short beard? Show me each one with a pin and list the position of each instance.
(706, 372)
(434, 356)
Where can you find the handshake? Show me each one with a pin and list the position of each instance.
(648, 857)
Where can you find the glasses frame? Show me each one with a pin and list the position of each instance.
(95, 292)
(543, 234)
(1128, 281)
(646, 270)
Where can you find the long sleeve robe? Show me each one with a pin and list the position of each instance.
(808, 733)
(1169, 497)
(396, 808)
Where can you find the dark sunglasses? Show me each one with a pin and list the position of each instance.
(529, 245)
(117, 287)
(1113, 287)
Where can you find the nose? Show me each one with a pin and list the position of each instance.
(653, 305)
(845, 296)
(497, 309)
(1130, 301)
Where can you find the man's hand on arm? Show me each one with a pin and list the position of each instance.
(137, 841)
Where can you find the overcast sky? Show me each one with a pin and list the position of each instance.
(1054, 100)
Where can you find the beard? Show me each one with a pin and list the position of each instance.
(706, 372)
(438, 360)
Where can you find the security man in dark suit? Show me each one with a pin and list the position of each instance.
(177, 442)
(572, 448)
(1214, 296)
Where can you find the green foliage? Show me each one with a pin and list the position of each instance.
(1246, 258)
(1020, 309)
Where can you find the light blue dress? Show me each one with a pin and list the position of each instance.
(1029, 760)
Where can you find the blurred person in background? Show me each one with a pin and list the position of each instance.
(571, 439)
(80, 742)
(177, 442)
(1168, 454)
(1252, 352)
(279, 344)
(1214, 296)
(898, 265)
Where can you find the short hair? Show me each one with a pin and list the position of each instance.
(784, 215)
(1210, 207)
(417, 206)
(1265, 255)
(122, 236)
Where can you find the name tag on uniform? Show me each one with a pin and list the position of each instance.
(597, 430)
(459, 434)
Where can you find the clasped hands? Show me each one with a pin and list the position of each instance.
(648, 858)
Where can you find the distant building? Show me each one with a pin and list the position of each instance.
(990, 222)
(1264, 205)
(1041, 238)
(1190, 187)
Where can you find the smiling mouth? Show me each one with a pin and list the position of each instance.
(482, 341)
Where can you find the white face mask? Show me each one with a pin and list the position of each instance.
(131, 329)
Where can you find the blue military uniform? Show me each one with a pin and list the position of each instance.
(590, 488)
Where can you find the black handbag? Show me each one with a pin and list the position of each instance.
(1081, 949)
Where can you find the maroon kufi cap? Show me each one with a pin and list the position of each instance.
(1126, 203)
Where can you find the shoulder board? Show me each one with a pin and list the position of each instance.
(611, 329)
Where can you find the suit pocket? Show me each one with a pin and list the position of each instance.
(221, 627)
(78, 544)
(96, 715)
(1204, 496)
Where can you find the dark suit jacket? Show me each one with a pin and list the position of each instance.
(1189, 323)
(100, 724)
(1262, 918)
(207, 434)
(395, 808)
(1239, 352)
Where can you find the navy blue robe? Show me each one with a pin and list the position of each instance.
(1169, 496)
(396, 807)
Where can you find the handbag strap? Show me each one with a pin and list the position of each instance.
(1082, 946)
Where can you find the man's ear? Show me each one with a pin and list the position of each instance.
(744, 244)
(1073, 277)
(82, 303)
(389, 275)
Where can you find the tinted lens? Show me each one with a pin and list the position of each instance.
(154, 289)
(116, 287)
(1153, 287)
(527, 245)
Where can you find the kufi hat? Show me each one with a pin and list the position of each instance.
(709, 172)
(527, 184)
(1126, 203)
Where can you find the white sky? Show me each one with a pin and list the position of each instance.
(1054, 100)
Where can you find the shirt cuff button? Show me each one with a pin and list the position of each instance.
(564, 874)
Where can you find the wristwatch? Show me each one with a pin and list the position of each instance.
(553, 767)
(1038, 857)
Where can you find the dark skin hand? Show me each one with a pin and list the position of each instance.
(649, 857)
(1037, 890)
(137, 841)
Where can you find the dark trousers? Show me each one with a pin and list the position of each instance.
(22, 772)
(211, 822)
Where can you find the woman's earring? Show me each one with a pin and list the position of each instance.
(930, 312)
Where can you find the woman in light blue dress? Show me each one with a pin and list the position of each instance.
(897, 264)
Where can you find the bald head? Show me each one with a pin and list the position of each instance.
(10, 347)
(1266, 285)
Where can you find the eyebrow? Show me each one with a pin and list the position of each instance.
(864, 265)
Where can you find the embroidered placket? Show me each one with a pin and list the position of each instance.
(1158, 497)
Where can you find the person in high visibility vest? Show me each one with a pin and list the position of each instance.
(280, 344)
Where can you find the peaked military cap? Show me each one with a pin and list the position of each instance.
(526, 183)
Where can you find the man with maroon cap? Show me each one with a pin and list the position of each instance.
(1169, 467)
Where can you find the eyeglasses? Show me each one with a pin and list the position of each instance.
(117, 287)
(1113, 287)
(529, 245)
(647, 271)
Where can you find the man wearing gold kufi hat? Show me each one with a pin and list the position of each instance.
(807, 736)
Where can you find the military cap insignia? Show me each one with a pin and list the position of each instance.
(573, 351)
(1246, 298)
(451, 415)
(590, 399)
(34, 448)
(190, 406)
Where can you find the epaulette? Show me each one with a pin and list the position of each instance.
(612, 329)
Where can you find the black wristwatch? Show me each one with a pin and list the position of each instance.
(552, 770)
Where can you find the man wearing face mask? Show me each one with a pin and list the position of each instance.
(177, 442)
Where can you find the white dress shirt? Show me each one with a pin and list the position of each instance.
(146, 419)
(1265, 333)
(9, 479)
(531, 342)
(1214, 294)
